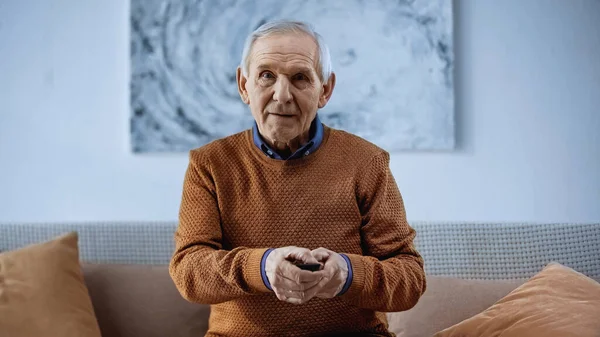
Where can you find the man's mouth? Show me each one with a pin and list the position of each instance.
(282, 115)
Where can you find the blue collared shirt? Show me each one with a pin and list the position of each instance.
(316, 130)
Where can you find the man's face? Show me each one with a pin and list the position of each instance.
(283, 88)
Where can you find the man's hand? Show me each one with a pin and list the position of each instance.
(334, 273)
(290, 283)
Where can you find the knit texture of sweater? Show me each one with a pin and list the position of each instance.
(237, 203)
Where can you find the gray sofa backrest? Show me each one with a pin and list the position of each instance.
(464, 250)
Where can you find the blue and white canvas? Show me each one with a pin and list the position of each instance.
(393, 60)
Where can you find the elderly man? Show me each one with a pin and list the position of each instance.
(260, 205)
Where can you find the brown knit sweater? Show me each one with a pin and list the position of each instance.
(237, 203)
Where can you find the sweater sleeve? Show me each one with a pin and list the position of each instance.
(389, 276)
(201, 269)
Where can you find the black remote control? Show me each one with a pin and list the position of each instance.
(308, 266)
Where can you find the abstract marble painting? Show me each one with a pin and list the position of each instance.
(394, 63)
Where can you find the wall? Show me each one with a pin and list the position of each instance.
(528, 115)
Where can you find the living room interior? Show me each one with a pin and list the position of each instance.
(506, 212)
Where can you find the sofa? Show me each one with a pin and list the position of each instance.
(469, 267)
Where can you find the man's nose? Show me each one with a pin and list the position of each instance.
(282, 92)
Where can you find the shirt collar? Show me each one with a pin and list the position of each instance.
(316, 134)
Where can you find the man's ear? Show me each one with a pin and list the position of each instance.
(241, 83)
(327, 91)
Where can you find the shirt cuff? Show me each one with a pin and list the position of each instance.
(350, 276)
(263, 273)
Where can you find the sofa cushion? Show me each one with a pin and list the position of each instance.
(42, 292)
(448, 301)
(141, 300)
(558, 301)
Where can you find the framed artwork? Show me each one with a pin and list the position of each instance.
(393, 60)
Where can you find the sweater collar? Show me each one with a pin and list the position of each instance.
(316, 138)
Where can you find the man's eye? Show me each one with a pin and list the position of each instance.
(267, 75)
(300, 77)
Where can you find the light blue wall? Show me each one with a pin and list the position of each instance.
(528, 115)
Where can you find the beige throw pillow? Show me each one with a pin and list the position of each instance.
(42, 292)
(558, 301)
(448, 301)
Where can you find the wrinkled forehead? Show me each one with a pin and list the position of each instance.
(284, 50)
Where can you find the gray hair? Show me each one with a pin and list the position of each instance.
(324, 67)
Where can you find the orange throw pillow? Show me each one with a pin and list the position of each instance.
(558, 301)
(42, 291)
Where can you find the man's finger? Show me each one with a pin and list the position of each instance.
(287, 294)
(303, 255)
(289, 271)
(295, 301)
(312, 292)
(321, 254)
(285, 283)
